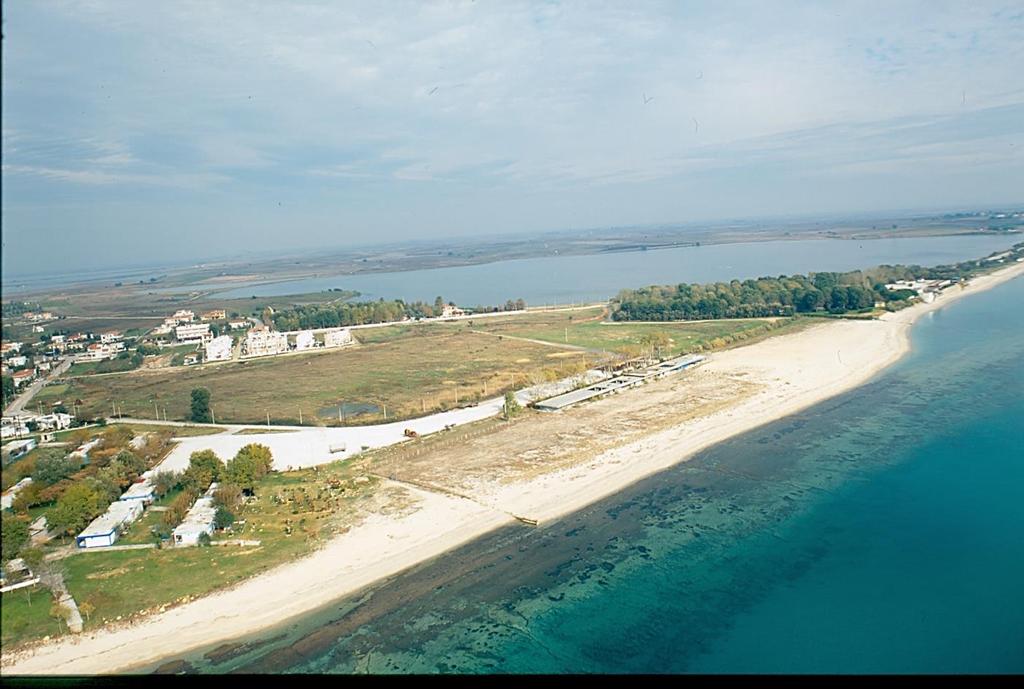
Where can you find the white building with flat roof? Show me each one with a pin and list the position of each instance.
(55, 422)
(264, 342)
(218, 349)
(305, 340)
(188, 334)
(142, 491)
(100, 351)
(198, 521)
(338, 337)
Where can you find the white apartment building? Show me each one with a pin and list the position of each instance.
(218, 349)
(198, 332)
(112, 336)
(100, 351)
(264, 342)
(339, 337)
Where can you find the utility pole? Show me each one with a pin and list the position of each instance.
(213, 417)
(268, 418)
(156, 412)
(113, 409)
(300, 416)
(384, 405)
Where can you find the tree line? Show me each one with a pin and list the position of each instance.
(785, 295)
(341, 314)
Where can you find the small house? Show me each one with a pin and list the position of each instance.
(106, 528)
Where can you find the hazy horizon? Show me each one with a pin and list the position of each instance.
(183, 132)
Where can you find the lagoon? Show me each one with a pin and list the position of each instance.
(597, 277)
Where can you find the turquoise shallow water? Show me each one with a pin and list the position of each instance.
(881, 531)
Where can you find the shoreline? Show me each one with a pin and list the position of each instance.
(840, 355)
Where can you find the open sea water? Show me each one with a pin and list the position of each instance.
(880, 531)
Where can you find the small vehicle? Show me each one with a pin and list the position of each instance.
(409, 433)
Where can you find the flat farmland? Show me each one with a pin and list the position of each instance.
(587, 328)
(412, 371)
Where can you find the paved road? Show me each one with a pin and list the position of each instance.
(25, 397)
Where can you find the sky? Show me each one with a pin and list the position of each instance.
(140, 132)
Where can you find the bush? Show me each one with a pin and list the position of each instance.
(53, 468)
(164, 482)
(15, 535)
(223, 519)
(178, 508)
(204, 539)
(228, 496)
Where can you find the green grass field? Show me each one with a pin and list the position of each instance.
(25, 614)
(408, 371)
(291, 514)
(586, 328)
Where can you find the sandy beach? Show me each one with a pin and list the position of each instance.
(782, 375)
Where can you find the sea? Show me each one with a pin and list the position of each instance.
(881, 531)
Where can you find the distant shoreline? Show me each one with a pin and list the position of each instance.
(791, 372)
(222, 283)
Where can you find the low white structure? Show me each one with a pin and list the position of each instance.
(105, 529)
(140, 492)
(197, 332)
(17, 361)
(82, 451)
(338, 337)
(218, 349)
(17, 449)
(7, 499)
(198, 521)
(305, 340)
(238, 325)
(12, 431)
(107, 338)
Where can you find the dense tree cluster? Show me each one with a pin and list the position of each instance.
(786, 295)
(340, 314)
(334, 315)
